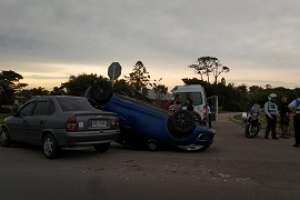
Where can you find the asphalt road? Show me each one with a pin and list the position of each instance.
(233, 168)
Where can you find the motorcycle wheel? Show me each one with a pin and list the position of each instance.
(252, 131)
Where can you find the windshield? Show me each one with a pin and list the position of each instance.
(196, 97)
(74, 104)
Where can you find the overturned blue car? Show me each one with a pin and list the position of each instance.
(145, 125)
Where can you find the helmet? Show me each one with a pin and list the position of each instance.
(272, 96)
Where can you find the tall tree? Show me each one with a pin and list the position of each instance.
(77, 85)
(159, 89)
(139, 78)
(9, 85)
(205, 66)
(209, 65)
(218, 70)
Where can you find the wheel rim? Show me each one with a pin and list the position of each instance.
(192, 147)
(48, 146)
(3, 136)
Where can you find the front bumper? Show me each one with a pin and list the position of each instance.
(88, 138)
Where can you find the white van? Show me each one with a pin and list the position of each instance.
(198, 96)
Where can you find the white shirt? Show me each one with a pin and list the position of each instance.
(271, 109)
(294, 104)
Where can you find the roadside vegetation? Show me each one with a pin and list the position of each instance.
(2, 116)
(209, 72)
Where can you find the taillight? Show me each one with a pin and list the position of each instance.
(72, 124)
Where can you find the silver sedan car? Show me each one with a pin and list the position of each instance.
(55, 122)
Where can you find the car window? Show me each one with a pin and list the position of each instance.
(74, 104)
(44, 108)
(27, 109)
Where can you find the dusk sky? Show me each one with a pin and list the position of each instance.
(47, 41)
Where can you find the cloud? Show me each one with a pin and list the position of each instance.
(164, 34)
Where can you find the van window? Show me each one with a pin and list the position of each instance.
(196, 97)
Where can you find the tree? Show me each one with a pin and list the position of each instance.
(205, 66)
(159, 89)
(218, 70)
(26, 94)
(139, 78)
(209, 65)
(58, 91)
(77, 85)
(9, 85)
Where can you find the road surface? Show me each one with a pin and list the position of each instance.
(233, 168)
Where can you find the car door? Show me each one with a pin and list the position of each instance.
(41, 114)
(19, 127)
(38, 120)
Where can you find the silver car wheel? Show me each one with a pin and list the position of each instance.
(48, 146)
(192, 147)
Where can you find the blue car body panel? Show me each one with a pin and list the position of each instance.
(152, 122)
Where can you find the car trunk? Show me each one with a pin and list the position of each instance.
(91, 121)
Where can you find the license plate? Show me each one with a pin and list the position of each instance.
(99, 124)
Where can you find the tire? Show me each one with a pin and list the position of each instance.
(252, 131)
(102, 147)
(182, 124)
(152, 145)
(195, 149)
(50, 147)
(100, 93)
(4, 138)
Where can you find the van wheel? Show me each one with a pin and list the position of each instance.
(152, 145)
(102, 147)
(4, 138)
(50, 147)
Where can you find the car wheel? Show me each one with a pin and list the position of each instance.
(152, 145)
(182, 124)
(102, 147)
(4, 138)
(100, 93)
(194, 148)
(252, 131)
(50, 147)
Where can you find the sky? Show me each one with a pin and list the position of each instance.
(47, 41)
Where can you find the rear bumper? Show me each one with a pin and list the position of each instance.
(88, 138)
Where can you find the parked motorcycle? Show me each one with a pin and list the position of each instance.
(253, 125)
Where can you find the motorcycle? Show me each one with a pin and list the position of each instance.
(253, 124)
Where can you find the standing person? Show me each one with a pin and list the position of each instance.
(176, 105)
(295, 107)
(189, 104)
(284, 117)
(271, 110)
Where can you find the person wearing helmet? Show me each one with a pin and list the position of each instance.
(271, 110)
(295, 107)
